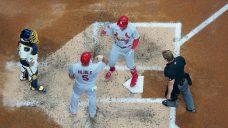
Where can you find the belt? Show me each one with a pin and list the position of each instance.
(181, 83)
(121, 46)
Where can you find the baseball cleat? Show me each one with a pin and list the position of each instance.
(40, 89)
(190, 110)
(134, 81)
(108, 75)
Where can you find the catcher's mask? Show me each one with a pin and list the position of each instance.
(29, 35)
(122, 22)
(85, 58)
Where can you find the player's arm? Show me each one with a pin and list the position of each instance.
(107, 30)
(102, 58)
(71, 76)
(135, 43)
(136, 38)
(170, 81)
(33, 57)
(71, 72)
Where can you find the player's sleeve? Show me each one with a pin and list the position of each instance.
(71, 70)
(100, 66)
(108, 29)
(169, 74)
(34, 49)
(135, 33)
(136, 37)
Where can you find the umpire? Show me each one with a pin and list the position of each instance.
(177, 81)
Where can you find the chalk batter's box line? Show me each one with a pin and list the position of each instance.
(176, 44)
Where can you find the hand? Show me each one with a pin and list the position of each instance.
(71, 77)
(31, 63)
(99, 57)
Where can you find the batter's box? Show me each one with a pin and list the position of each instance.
(154, 38)
(129, 113)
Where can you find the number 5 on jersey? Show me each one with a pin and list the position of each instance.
(85, 77)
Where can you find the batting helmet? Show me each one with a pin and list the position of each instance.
(85, 58)
(123, 22)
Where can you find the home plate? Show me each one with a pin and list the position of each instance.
(138, 88)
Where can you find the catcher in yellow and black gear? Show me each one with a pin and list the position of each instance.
(28, 53)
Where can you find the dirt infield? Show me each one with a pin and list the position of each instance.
(54, 77)
(58, 22)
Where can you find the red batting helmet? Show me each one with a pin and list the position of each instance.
(85, 58)
(123, 22)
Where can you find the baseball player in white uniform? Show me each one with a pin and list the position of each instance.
(28, 53)
(126, 40)
(85, 74)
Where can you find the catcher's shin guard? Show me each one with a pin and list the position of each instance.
(24, 76)
(135, 76)
(109, 73)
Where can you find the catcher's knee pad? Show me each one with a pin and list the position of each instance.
(34, 77)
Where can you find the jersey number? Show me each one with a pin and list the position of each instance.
(85, 77)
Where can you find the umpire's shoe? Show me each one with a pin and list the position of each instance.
(170, 103)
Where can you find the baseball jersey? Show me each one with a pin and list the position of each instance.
(123, 38)
(27, 52)
(175, 70)
(85, 76)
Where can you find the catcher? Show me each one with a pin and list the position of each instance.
(28, 53)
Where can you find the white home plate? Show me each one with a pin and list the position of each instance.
(138, 88)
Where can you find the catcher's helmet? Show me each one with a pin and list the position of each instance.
(123, 22)
(26, 34)
(85, 58)
(29, 35)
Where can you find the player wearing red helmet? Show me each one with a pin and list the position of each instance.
(123, 22)
(85, 74)
(85, 58)
(126, 40)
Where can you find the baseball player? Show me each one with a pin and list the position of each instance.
(85, 74)
(28, 53)
(126, 40)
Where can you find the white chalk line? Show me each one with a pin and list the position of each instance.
(177, 38)
(172, 118)
(142, 68)
(203, 24)
(145, 24)
(9, 65)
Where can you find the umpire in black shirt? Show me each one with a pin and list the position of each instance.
(177, 81)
